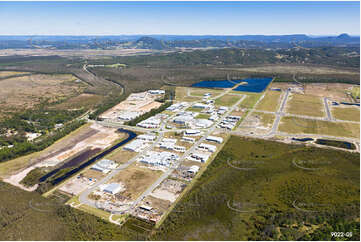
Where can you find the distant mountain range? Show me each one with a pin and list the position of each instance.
(164, 42)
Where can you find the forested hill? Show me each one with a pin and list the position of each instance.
(330, 56)
(165, 42)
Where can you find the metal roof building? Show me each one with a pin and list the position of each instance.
(113, 188)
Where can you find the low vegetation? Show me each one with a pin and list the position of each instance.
(305, 105)
(295, 125)
(29, 216)
(271, 201)
(270, 101)
(346, 113)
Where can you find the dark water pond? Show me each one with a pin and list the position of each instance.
(250, 84)
(83, 157)
(254, 85)
(336, 143)
(302, 139)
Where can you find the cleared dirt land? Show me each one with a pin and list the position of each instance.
(121, 156)
(259, 123)
(182, 95)
(346, 113)
(89, 135)
(334, 91)
(294, 125)
(19, 93)
(136, 180)
(305, 105)
(270, 101)
(200, 92)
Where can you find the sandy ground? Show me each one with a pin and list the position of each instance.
(75, 186)
(15, 179)
(104, 138)
(137, 102)
(164, 194)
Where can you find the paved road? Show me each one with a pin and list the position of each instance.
(185, 155)
(83, 197)
(329, 116)
(279, 114)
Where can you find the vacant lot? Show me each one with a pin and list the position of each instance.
(270, 101)
(294, 125)
(24, 92)
(136, 180)
(121, 156)
(181, 94)
(346, 113)
(227, 100)
(201, 91)
(334, 91)
(250, 100)
(305, 105)
(258, 122)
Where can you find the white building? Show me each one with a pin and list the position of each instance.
(207, 147)
(135, 146)
(179, 148)
(113, 188)
(193, 169)
(191, 132)
(199, 157)
(151, 123)
(159, 158)
(128, 115)
(146, 137)
(104, 166)
(168, 140)
(156, 92)
(202, 123)
(188, 139)
(200, 105)
(183, 120)
(215, 139)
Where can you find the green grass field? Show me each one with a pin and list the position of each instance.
(294, 125)
(203, 115)
(269, 102)
(275, 201)
(355, 92)
(305, 105)
(347, 113)
(227, 100)
(250, 100)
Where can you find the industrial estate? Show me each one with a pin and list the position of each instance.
(172, 137)
(142, 169)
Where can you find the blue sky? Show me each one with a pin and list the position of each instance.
(187, 18)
